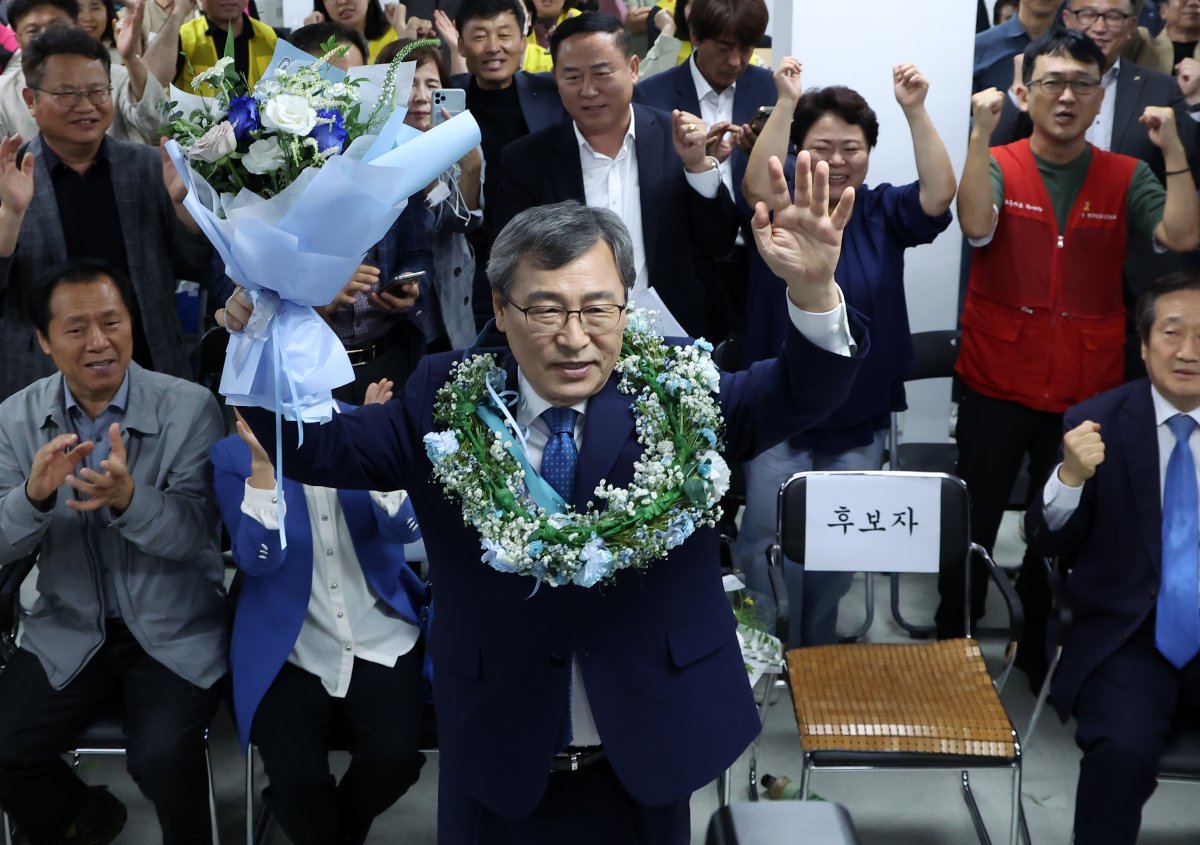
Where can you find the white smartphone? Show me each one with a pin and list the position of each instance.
(453, 100)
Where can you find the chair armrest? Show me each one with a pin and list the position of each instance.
(779, 592)
(12, 575)
(1016, 611)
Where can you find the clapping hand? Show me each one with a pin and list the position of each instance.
(379, 392)
(262, 471)
(1188, 74)
(787, 79)
(802, 240)
(127, 31)
(16, 182)
(112, 488)
(690, 136)
(446, 30)
(52, 465)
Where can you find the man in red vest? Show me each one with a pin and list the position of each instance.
(1044, 322)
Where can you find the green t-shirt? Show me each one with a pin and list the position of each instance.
(1143, 204)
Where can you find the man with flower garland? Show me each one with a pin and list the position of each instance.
(569, 714)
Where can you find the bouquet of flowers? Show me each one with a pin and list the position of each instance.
(292, 183)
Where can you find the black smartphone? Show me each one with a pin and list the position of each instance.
(400, 280)
(760, 117)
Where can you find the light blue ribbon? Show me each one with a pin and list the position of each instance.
(543, 495)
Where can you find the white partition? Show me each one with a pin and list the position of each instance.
(858, 46)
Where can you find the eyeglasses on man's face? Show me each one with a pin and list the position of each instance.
(1054, 86)
(1086, 17)
(68, 98)
(551, 319)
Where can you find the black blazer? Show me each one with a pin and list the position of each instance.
(680, 228)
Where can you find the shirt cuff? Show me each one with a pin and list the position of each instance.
(1059, 501)
(389, 502)
(262, 506)
(706, 184)
(829, 330)
(987, 239)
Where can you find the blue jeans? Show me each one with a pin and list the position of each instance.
(813, 596)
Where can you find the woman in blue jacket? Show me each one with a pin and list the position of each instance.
(328, 631)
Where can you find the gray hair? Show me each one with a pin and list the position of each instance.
(551, 236)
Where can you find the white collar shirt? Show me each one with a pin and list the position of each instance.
(613, 183)
(1099, 134)
(714, 108)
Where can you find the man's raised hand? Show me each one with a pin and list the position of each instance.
(801, 240)
(1083, 451)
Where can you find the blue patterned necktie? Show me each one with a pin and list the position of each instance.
(558, 468)
(1177, 629)
(560, 455)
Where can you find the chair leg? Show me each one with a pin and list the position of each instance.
(805, 776)
(723, 787)
(212, 793)
(869, 619)
(916, 632)
(250, 794)
(976, 818)
(7, 828)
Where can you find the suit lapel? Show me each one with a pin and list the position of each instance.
(131, 204)
(44, 219)
(650, 142)
(607, 427)
(1137, 431)
(685, 89)
(566, 176)
(1130, 82)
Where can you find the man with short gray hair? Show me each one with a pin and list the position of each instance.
(572, 713)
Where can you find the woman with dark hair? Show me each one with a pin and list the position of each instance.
(96, 19)
(1003, 10)
(453, 207)
(837, 127)
(365, 16)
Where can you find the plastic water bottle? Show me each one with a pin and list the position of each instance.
(780, 788)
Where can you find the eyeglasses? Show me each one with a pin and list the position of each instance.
(550, 319)
(69, 98)
(1054, 86)
(1112, 17)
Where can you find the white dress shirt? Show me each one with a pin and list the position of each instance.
(1099, 134)
(613, 183)
(345, 619)
(829, 330)
(714, 108)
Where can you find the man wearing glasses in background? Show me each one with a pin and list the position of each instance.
(72, 192)
(1044, 320)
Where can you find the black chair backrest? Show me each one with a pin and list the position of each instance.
(935, 354)
(212, 356)
(11, 577)
(955, 520)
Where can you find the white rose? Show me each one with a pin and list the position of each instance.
(215, 144)
(264, 156)
(289, 113)
(211, 74)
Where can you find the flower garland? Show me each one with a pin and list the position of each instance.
(677, 483)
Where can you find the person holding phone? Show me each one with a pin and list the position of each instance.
(453, 210)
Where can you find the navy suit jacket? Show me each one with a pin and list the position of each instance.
(277, 585)
(664, 674)
(1112, 544)
(679, 227)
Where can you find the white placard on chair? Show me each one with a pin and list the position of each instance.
(879, 523)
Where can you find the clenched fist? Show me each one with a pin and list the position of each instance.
(1083, 451)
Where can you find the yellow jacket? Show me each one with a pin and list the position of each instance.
(197, 45)
(377, 44)
(537, 58)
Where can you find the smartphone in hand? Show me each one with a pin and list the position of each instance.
(403, 284)
(453, 100)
